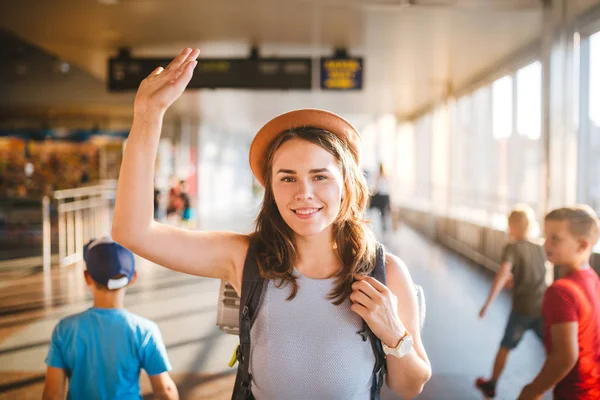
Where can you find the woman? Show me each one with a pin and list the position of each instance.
(381, 196)
(313, 247)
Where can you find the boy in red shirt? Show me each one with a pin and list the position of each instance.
(571, 310)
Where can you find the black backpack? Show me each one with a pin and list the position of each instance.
(252, 289)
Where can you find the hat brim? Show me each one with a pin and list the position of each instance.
(297, 119)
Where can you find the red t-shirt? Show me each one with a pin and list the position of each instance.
(576, 298)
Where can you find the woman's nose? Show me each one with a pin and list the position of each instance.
(305, 192)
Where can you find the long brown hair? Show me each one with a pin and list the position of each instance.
(354, 240)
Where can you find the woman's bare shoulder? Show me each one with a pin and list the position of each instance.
(397, 273)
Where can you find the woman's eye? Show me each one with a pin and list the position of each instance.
(320, 177)
(287, 179)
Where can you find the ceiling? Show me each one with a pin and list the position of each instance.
(414, 53)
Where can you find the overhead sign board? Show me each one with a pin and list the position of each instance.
(232, 73)
(342, 73)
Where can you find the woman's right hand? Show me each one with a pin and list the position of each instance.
(163, 86)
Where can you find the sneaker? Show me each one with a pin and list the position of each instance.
(488, 388)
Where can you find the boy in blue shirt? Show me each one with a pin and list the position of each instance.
(102, 350)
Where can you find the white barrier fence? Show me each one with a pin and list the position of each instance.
(83, 213)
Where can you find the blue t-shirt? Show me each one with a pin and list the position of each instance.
(102, 351)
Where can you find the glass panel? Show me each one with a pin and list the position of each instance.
(529, 100)
(594, 123)
(502, 112)
(525, 153)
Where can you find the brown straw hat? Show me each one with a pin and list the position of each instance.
(297, 119)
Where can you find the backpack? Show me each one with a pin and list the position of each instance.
(249, 304)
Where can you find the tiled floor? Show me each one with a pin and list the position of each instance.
(460, 346)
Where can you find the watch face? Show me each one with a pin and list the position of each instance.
(405, 346)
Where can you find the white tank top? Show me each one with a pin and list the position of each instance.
(308, 348)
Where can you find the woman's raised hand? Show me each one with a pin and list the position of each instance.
(163, 86)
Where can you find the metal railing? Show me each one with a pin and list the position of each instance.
(83, 213)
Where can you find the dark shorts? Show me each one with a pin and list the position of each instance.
(517, 325)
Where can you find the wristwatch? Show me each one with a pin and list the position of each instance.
(403, 347)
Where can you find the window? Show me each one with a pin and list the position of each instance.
(423, 149)
(594, 90)
(502, 112)
(593, 124)
(529, 101)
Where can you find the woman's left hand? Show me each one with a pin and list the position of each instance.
(378, 306)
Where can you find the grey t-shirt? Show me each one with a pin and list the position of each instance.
(529, 272)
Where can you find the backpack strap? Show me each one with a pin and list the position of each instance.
(380, 366)
(252, 285)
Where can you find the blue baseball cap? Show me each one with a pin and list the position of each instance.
(106, 259)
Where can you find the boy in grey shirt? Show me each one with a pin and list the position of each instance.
(526, 261)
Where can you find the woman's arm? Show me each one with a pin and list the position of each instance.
(407, 375)
(209, 254)
(391, 311)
